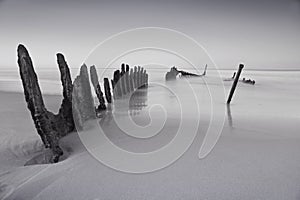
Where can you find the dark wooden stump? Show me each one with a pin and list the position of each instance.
(107, 90)
(122, 80)
(51, 127)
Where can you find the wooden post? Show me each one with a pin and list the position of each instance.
(142, 77)
(235, 83)
(131, 80)
(135, 75)
(127, 68)
(107, 90)
(112, 84)
(122, 82)
(51, 127)
(117, 89)
(97, 88)
(127, 79)
(139, 77)
(146, 80)
(127, 83)
(122, 69)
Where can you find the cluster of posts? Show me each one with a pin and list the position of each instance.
(78, 105)
(128, 80)
(124, 82)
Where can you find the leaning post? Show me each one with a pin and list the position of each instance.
(241, 66)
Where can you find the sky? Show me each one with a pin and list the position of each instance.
(263, 34)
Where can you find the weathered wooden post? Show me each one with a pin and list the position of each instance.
(241, 66)
(51, 127)
(65, 111)
(112, 84)
(118, 84)
(131, 80)
(83, 102)
(127, 68)
(107, 90)
(97, 88)
(122, 81)
(135, 77)
(142, 77)
(117, 88)
(146, 80)
(138, 77)
(122, 69)
(35, 103)
(127, 81)
(124, 85)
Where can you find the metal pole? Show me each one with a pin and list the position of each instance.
(235, 83)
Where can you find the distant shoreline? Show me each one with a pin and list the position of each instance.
(156, 68)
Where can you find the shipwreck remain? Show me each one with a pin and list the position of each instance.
(77, 105)
(172, 74)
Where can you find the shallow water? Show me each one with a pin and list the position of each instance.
(276, 94)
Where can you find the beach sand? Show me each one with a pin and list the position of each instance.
(256, 157)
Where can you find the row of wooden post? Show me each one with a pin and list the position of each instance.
(124, 82)
(128, 80)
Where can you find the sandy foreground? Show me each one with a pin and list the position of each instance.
(256, 157)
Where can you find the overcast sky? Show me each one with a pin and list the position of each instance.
(260, 33)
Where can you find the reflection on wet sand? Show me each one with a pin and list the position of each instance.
(106, 116)
(132, 106)
(229, 116)
(138, 101)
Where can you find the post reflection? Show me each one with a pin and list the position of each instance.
(132, 105)
(229, 116)
(138, 101)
